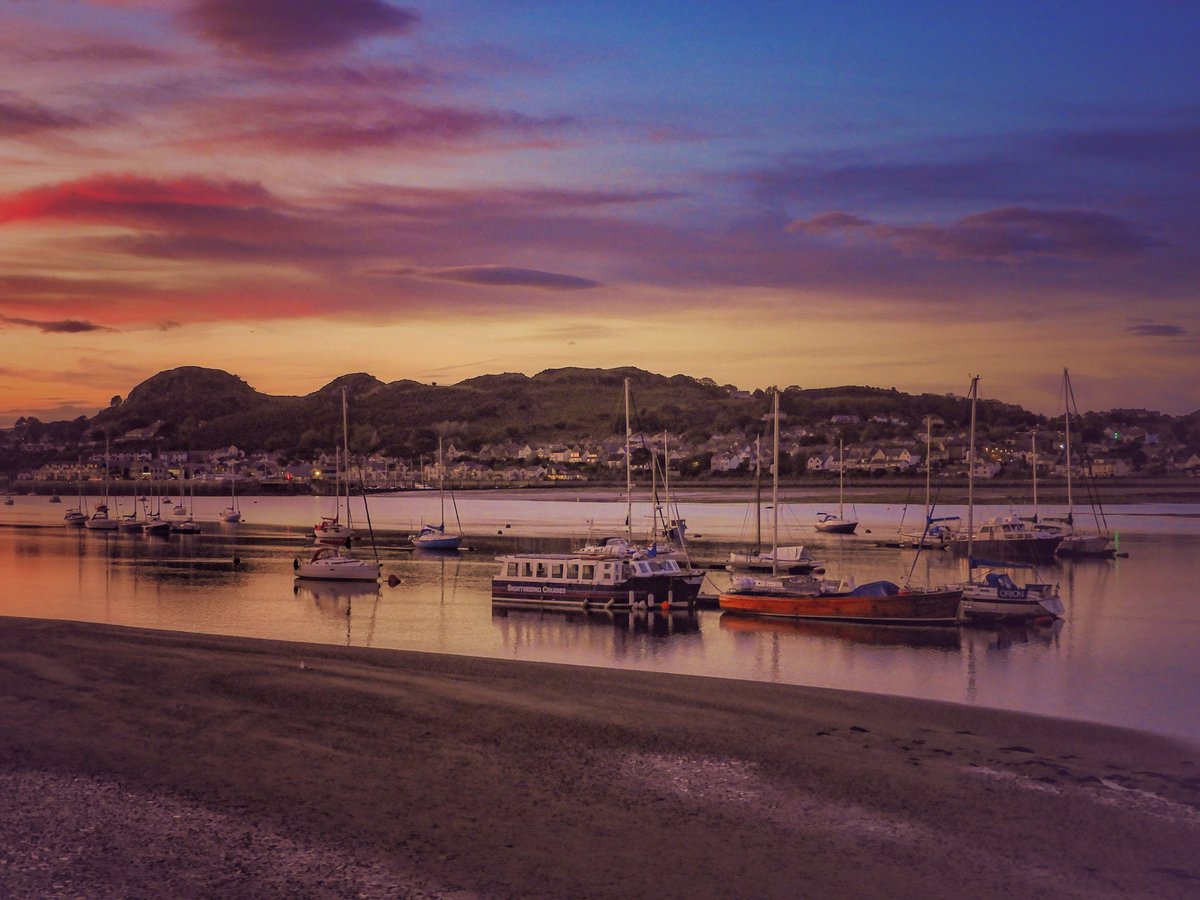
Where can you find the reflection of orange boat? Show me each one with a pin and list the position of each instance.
(880, 602)
(850, 632)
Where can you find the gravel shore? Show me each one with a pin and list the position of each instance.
(147, 764)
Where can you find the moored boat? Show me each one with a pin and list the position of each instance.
(795, 560)
(436, 537)
(997, 596)
(1008, 538)
(804, 597)
(594, 580)
(330, 564)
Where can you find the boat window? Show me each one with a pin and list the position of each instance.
(513, 568)
(589, 573)
(573, 570)
(556, 570)
(528, 570)
(541, 570)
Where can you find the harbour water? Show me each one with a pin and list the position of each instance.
(1125, 654)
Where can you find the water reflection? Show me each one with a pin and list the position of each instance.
(916, 637)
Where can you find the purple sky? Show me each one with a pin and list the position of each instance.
(762, 193)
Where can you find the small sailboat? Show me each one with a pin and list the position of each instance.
(233, 512)
(790, 560)
(188, 525)
(154, 523)
(331, 529)
(435, 537)
(997, 595)
(77, 515)
(54, 498)
(1096, 542)
(828, 523)
(936, 533)
(330, 563)
(100, 520)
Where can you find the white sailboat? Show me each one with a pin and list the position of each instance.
(100, 520)
(839, 524)
(76, 516)
(331, 529)
(1077, 542)
(329, 563)
(791, 560)
(996, 595)
(188, 525)
(233, 512)
(435, 537)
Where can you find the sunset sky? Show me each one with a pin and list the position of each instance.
(898, 195)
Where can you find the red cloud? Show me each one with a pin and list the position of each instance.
(128, 199)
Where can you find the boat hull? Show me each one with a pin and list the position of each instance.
(1078, 545)
(676, 592)
(915, 608)
(836, 527)
(1026, 550)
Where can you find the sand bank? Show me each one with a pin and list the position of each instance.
(137, 763)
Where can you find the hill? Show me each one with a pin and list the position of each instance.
(201, 409)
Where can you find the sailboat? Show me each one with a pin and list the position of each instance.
(233, 512)
(435, 537)
(997, 595)
(188, 525)
(154, 522)
(936, 533)
(331, 529)
(77, 515)
(129, 522)
(1077, 542)
(793, 560)
(685, 579)
(330, 563)
(100, 519)
(810, 597)
(1006, 539)
(839, 524)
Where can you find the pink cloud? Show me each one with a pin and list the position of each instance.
(132, 200)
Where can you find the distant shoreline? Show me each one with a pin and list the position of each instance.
(891, 491)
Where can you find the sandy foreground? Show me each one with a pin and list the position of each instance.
(147, 764)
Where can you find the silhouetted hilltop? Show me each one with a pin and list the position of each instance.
(200, 409)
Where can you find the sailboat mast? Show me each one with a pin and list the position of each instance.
(441, 483)
(1033, 439)
(666, 486)
(971, 477)
(628, 470)
(841, 477)
(1067, 423)
(775, 491)
(346, 457)
(928, 463)
(758, 494)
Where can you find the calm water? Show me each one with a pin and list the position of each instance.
(1126, 653)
